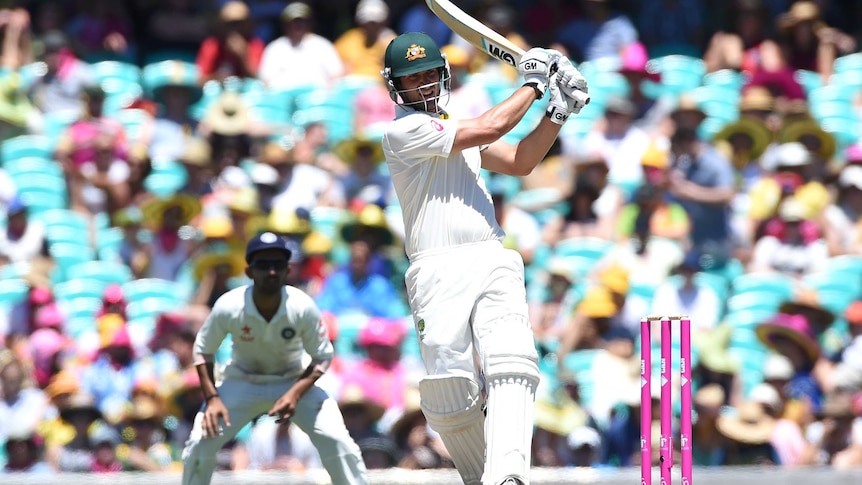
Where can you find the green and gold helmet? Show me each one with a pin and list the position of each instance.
(410, 53)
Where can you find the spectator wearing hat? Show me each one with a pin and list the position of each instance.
(196, 158)
(618, 141)
(832, 435)
(638, 74)
(551, 299)
(361, 48)
(821, 144)
(168, 250)
(214, 272)
(49, 349)
(23, 239)
(380, 373)
(23, 451)
(371, 226)
(113, 301)
(421, 449)
(702, 181)
(77, 144)
(73, 452)
(104, 440)
(361, 413)
(101, 184)
(133, 248)
(233, 50)
(355, 288)
(299, 45)
(22, 317)
(364, 183)
(685, 297)
(592, 318)
(303, 186)
(794, 337)
(143, 434)
(61, 86)
(175, 86)
(746, 140)
(841, 218)
(558, 414)
(793, 244)
(748, 432)
(590, 201)
(787, 438)
(706, 442)
(651, 209)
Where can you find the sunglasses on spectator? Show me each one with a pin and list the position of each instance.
(268, 264)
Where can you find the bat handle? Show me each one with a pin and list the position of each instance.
(578, 95)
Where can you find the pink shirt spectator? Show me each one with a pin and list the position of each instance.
(789, 442)
(81, 136)
(381, 385)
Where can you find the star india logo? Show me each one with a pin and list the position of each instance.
(415, 52)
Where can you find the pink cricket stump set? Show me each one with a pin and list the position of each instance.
(666, 417)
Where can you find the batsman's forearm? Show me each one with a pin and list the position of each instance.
(206, 373)
(506, 115)
(533, 148)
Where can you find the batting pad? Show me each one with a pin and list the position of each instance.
(512, 375)
(453, 407)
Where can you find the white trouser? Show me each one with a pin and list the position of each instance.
(316, 414)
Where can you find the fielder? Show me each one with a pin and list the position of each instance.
(466, 291)
(280, 348)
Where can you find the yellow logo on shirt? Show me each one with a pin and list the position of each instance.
(415, 52)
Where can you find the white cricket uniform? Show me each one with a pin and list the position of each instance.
(267, 358)
(461, 279)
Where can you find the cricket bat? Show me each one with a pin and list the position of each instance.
(485, 38)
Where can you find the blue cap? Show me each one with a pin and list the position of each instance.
(16, 205)
(267, 240)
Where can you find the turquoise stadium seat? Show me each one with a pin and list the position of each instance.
(79, 288)
(848, 63)
(847, 264)
(146, 288)
(81, 307)
(765, 282)
(116, 70)
(104, 271)
(748, 319)
(26, 146)
(825, 281)
(755, 301)
(67, 255)
(67, 235)
(328, 220)
(725, 78)
(12, 292)
(585, 247)
(18, 270)
(133, 121)
(109, 240)
(65, 218)
(165, 180)
(809, 80)
(337, 119)
(150, 308)
(56, 123)
(30, 166)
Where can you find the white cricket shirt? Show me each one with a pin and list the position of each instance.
(282, 347)
(443, 199)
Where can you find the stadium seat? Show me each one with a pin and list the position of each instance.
(809, 80)
(67, 234)
(730, 79)
(146, 288)
(585, 247)
(79, 288)
(108, 243)
(64, 218)
(825, 281)
(80, 307)
(12, 292)
(848, 63)
(29, 166)
(766, 282)
(104, 271)
(748, 319)
(56, 123)
(18, 270)
(151, 308)
(847, 264)
(755, 301)
(328, 220)
(67, 255)
(25, 146)
(165, 180)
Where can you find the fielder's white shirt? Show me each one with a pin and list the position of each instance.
(443, 199)
(282, 347)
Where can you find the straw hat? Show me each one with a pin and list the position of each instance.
(196, 151)
(286, 221)
(347, 149)
(410, 417)
(275, 154)
(798, 13)
(750, 424)
(80, 403)
(753, 129)
(63, 382)
(172, 73)
(153, 209)
(687, 103)
(615, 278)
(234, 11)
(145, 408)
(244, 201)
(712, 350)
(796, 131)
(216, 227)
(757, 98)
(795, 328)
(352, 397)
(559, 416)
(232, 261)
(806, 302)
(228, 115)
(372, 220)
(598, 303)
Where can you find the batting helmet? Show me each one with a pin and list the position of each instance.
(410, 53)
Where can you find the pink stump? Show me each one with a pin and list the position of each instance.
(685, 399)
(646, 404)
(666, 441)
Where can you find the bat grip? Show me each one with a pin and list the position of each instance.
(575, 94)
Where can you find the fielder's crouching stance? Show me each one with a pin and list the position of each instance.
(466, 291)
(280, 348)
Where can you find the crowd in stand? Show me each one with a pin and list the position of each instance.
(717, 173)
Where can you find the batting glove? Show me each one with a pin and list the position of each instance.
(570, 77)
(536, 66)
(559, 105)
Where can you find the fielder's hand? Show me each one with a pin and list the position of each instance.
(536, 66)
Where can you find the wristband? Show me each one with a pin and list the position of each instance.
(207, 399)
(535, 86)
